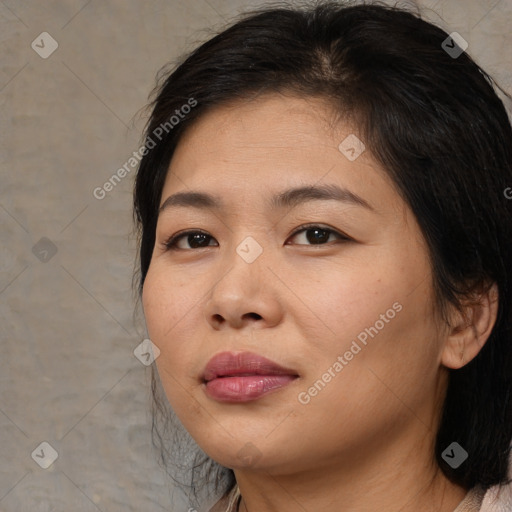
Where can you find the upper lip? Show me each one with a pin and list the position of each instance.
(226, 364)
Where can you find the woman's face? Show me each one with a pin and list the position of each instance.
(346, 306)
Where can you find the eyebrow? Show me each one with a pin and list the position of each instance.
(286, 199)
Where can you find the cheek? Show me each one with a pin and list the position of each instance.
(169, 306)
(380, 318)
(165, 301)
(382, 386)
(345, 301)
(170, 310)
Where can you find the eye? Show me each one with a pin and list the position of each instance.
(195, 240)
(317, 235)
(312, 233)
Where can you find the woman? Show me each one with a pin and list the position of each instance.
(325, 248)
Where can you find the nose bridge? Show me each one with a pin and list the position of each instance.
(249, 237)
(244, 266)
(249, 249)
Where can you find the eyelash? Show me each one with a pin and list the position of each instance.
(170, 243)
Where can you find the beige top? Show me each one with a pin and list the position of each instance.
(471, 503)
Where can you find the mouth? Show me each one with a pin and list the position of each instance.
(243, 364)
(241, 377)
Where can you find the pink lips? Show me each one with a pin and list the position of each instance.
(242, 377)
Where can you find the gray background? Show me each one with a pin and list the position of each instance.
(68, 375)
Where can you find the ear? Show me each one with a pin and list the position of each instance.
(468, 331)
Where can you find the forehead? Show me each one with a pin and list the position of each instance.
(270, 121)
(270, 144)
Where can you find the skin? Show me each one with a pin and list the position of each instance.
(366, 439)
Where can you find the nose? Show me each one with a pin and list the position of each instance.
(245, 296)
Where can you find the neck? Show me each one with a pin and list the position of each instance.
(384, 483)
(439, 496)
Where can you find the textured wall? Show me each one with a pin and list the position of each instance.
(68, 374)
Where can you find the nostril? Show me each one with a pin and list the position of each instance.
(254, 316)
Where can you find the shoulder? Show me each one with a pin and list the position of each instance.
(472, 502)
(220, 506)
(227, 503)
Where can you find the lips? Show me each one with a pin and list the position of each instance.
(242, 377)
(229, 364)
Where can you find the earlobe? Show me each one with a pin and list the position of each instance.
(470, 330)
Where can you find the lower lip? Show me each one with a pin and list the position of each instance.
(246, 388)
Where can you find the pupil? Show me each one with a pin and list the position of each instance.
(197, 240)
(323, 237)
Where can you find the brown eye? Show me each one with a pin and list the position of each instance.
(194, 239)
(318, 235)
(312, 235)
